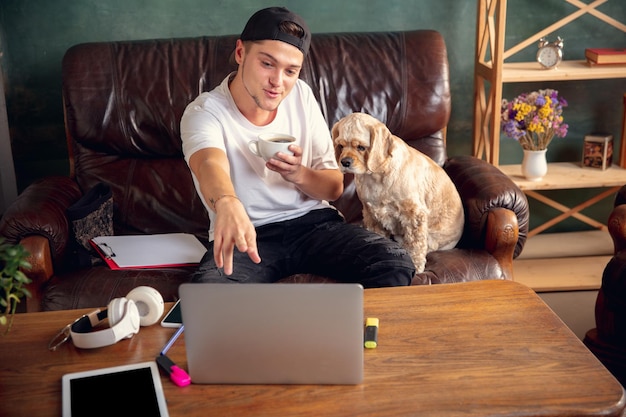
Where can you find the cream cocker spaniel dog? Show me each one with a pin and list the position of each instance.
(405, 194)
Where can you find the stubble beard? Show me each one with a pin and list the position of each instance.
(256, 99)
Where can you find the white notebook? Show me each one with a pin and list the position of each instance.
(149, 251)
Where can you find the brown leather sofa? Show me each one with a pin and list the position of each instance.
(123, 102)
(608, 340)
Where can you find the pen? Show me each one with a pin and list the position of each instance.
(170, 342)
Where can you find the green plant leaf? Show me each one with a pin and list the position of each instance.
(13, 262)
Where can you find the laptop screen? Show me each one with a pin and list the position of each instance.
(273, 333)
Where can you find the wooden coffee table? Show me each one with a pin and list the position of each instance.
(473, 349)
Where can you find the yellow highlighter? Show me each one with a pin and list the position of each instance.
(371, 333)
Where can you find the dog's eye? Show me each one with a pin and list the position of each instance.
(340, 148)
(361, 148)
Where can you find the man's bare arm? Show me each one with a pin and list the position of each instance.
(232, 227)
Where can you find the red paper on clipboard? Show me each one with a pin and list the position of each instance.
(149, 251)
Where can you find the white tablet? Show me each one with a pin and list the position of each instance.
(128, 390)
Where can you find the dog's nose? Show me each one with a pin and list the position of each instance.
(346, 162)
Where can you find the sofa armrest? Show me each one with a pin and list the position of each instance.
(40, 211)
(484, 188)
(502, 238)
(41, 269)
(617, 222)
(610, 309)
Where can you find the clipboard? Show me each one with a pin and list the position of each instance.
(149, 251)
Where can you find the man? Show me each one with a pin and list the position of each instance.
(276, 213)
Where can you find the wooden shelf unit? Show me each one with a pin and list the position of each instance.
(491, 71)
(568, 175)
(566, 71)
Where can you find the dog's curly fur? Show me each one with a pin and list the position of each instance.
(405, 194)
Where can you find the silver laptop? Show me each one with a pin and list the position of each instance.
(273, 333)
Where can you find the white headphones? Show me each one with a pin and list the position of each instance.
(142, 306)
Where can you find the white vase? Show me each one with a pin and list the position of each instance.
(534, 165)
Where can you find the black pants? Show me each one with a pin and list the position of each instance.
(320, 243)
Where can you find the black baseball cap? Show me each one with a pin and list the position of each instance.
(265, 25)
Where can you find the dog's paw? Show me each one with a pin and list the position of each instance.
(419, 262)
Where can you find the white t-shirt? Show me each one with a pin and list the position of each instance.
(213, 120)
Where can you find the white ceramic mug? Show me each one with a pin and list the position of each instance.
(268, 144)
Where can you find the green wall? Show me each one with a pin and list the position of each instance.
(35, 34)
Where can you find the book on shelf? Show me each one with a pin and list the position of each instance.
(606, 55)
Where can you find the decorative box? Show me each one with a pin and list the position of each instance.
(598, 151)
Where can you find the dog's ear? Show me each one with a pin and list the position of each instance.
(334, 134)
(381, 144)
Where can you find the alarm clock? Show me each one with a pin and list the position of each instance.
(550, 54)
